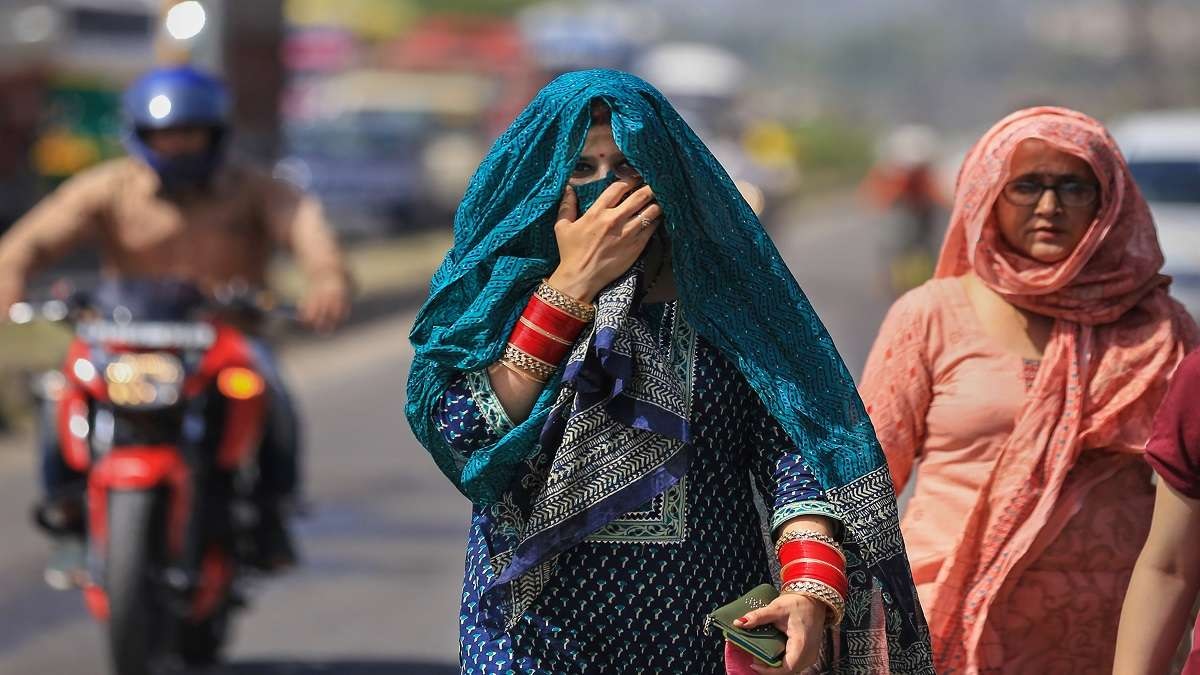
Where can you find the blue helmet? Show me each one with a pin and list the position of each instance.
(174, 97)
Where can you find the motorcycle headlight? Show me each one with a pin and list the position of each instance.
(149, 380)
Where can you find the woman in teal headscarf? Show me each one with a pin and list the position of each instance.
(614, 504)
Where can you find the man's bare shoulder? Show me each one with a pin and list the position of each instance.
(101, 182)
(109, 170)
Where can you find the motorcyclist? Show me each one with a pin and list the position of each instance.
(177, 208)
(903, 182)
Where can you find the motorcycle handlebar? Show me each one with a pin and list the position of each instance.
(259, 304)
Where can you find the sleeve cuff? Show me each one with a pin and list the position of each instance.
(489, 404)
(783, 514)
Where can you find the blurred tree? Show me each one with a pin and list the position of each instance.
(832, 152)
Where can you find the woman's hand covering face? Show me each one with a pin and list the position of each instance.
(599, 246)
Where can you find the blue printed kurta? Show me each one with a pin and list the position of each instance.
(633, 597)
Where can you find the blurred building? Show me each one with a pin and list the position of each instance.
(63, 63)
(388, 108)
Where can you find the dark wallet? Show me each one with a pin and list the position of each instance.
(765, 643)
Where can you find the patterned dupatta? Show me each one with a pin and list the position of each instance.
(616, 437)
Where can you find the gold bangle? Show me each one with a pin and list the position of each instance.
(513, 351)
(809, 535)
(535, 366)
(584, 311)
(520, 372)
(822, 592)
(542, 331)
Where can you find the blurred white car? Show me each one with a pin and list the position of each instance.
(1163, 149)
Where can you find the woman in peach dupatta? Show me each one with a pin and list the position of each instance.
(1021, 382)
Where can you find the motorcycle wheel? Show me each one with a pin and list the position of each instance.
(136, 618)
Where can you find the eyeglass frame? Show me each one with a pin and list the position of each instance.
(1052, 186)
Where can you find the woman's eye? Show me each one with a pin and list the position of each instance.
(582, 168)
(1026, 187)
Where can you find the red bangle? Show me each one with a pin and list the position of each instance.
(538, 345)
(813, 563)
(826, 576)
(833, 577)
(553, 320)
(807, 548)
(810, 564)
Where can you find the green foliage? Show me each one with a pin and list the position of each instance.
(831, 152)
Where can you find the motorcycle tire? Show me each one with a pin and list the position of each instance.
(136, 618)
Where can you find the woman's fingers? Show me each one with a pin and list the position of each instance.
(758, 617)
(613, 195)
(635, 202)
(568, 208)
(644, 222)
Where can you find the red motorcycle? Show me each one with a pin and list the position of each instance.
(161, 405)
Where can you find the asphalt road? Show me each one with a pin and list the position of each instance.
(383, 546)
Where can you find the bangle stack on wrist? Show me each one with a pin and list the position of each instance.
(544, 334)
(814, 565)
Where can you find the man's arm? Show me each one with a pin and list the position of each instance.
(54, 226)
(298, 221)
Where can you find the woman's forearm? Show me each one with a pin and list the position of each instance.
(1163, 588)
(518, 389)
(1156, 611)
(518, 393)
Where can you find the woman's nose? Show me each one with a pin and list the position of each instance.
(1048, 204)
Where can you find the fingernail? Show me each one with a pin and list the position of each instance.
(741, 620)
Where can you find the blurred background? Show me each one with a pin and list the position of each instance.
(843, 123)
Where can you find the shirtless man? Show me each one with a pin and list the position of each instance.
(174, 209)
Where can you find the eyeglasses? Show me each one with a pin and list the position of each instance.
(1070, 193)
